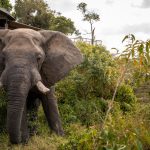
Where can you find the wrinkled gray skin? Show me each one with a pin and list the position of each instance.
(27, 57)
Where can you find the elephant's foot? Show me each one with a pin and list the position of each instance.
(60, 133)
(15, 139)
(58, 130)
(25, 138)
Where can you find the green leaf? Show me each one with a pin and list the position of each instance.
(148, 57)
(147, 50)
(139, 145)
(126, 37)
(141, 49)
(147, 47)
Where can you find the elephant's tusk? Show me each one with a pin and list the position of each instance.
(42, 88)
(1, 85)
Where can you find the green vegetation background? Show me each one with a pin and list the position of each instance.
(83, 97)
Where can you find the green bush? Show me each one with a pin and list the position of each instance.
(68, 114)
(82, 94)
(90, 112)
(98, 72)
(84, 112)
(94, 78)
(121, 131)
(126, 97)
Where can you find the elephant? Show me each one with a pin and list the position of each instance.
(31, 62)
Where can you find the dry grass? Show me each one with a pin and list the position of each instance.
(43, 142)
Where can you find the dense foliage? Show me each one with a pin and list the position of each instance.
(6, 4)
(38, 14)
(84, 97)
(122, 131)
(95, 77)
(137, 56)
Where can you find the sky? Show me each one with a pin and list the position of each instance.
(117, 18)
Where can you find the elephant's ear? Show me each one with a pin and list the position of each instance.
(61, 56)
(3, 32)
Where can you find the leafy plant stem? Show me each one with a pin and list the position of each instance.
(110, 105)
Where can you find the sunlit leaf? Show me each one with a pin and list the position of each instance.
(147, 47)
(132, 51)
(126, 50)
(135, 62)
(129, 55)
(148, 57)
(141, 60)
(148, 51)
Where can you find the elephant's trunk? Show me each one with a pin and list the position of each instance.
(18, 81)
(17, 89)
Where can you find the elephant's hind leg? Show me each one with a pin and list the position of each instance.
(24, 127)
(33, 104)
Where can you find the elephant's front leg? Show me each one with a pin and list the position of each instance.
(50, 107)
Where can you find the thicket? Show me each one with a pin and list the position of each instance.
(84, 97)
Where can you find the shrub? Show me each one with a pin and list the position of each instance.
(91, 112)
(129, 131)
(68, 114)
(94, 78)
(84, 112)
(125, 96)
(98, 72)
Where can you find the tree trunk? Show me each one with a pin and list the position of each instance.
(92, 34)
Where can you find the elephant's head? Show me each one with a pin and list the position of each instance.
(29, 58)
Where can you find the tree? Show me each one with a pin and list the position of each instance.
(37, 13)
(63, 24)
(5, 4)
(33, 12)
(89, 16)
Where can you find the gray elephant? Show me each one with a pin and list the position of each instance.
(30, 62)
